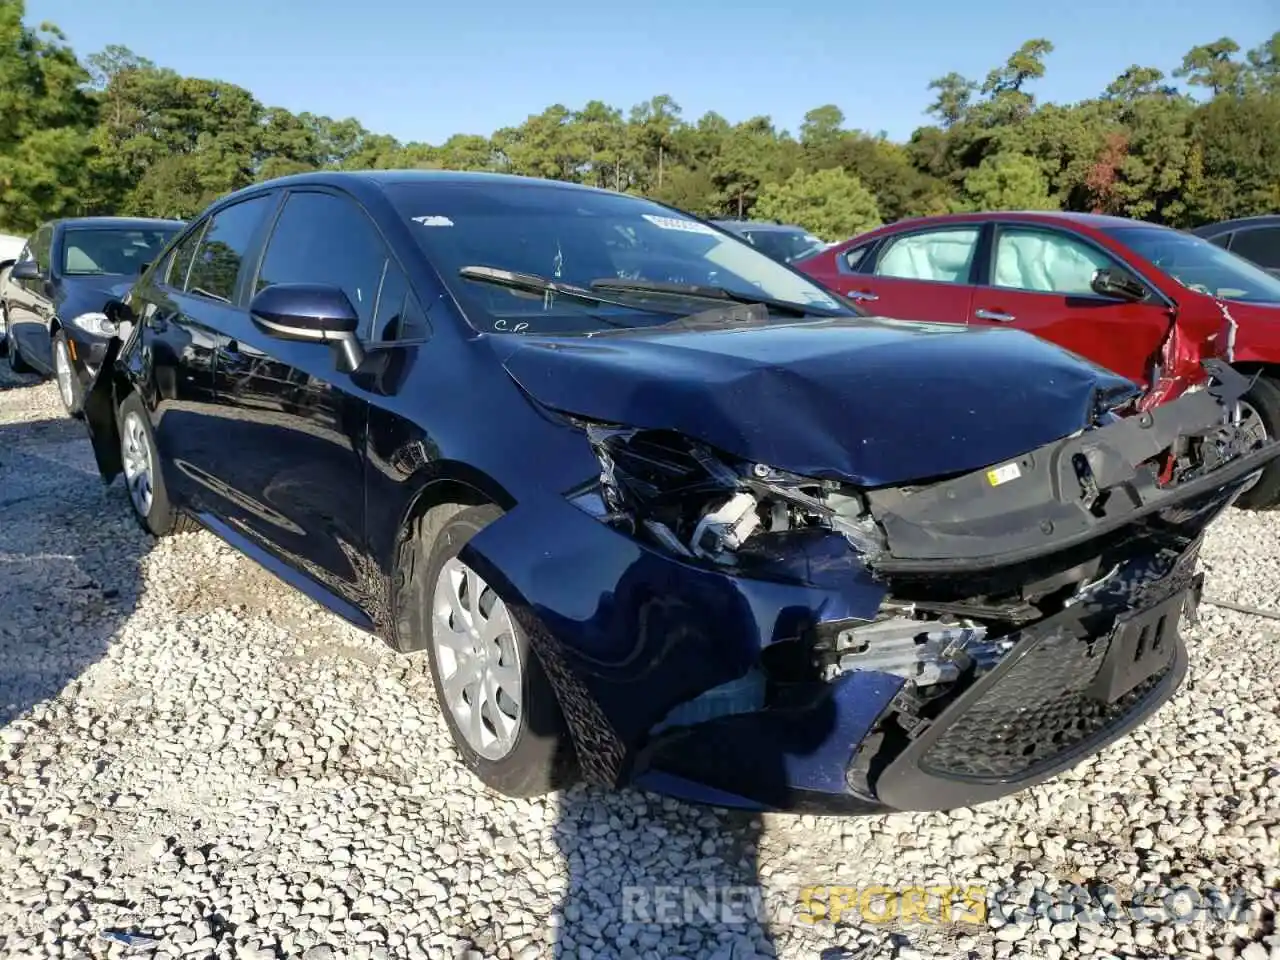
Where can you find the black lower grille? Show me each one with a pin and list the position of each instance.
(1070, 685)
(1041, 708)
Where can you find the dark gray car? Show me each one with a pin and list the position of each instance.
(1254, 238)
(782, 241)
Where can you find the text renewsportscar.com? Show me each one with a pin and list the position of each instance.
(976, 904)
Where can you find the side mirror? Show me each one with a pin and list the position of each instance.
(26, 270)
(1118, 285)
(315, 312)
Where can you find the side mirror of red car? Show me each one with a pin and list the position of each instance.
(1118, 285)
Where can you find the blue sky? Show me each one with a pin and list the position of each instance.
(423, 69)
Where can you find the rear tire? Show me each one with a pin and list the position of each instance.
(517, 745)
(16, 363)
(142, 475)
(1264, 400)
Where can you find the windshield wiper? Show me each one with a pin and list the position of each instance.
(532, 283)
(704, 292)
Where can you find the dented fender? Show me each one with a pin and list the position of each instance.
(626, 632)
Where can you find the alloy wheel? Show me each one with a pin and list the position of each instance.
(63, 372)
(1251, 422)
(135, 454)
(481, 675)
(1255, 431)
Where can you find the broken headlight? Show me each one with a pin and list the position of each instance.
(699, 503)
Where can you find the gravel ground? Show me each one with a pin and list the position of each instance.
(192, 753)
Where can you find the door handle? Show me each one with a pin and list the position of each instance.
(862, 295)
(993, 315)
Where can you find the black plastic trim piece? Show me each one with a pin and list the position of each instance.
(1058, 496)
(904, 781)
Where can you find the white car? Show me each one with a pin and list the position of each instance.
(10, 248)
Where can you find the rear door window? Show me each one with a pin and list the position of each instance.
(174, 272)
(943, 256)
(225, 244)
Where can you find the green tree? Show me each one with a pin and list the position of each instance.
(954, 98)
(48, 111)
(1008, 181)
(830, 203)
(1238, 140)
(1264, 65)
(1212, 66)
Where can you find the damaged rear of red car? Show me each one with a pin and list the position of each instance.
(1146, 301)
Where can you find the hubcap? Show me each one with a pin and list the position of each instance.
(1255, 430)
(136, 455)
(62, 369)
(480, 671)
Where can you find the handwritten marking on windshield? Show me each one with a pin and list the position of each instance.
(433, 221)
(520, 327)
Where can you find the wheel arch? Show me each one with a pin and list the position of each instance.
(438, 487)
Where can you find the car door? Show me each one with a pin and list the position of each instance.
(33, 306)
(296, 423)
(17, 298)
(1039, 280)
(924, 274)
(185, 308)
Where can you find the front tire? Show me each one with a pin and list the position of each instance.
(1260, 409)
(497, 701)
(140, 460)
(70, 389)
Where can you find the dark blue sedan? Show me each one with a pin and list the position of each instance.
(656, 507)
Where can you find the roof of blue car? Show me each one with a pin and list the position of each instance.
(125, 223)
(388, 177)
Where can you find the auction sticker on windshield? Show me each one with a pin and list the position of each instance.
(675, 223)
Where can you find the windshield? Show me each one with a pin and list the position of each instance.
(111, 251)
(580, 238)
(1200, 265)
(785, 245)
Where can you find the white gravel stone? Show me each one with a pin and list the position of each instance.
(192, 752)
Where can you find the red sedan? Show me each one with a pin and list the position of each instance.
(1146, 301)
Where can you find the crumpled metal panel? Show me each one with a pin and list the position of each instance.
(871, 402)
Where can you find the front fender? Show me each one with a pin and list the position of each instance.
(627, 632)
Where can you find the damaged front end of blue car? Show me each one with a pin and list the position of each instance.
(727, 631)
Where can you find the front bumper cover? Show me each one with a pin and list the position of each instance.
(629, 632)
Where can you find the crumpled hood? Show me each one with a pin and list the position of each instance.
(870, 401)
